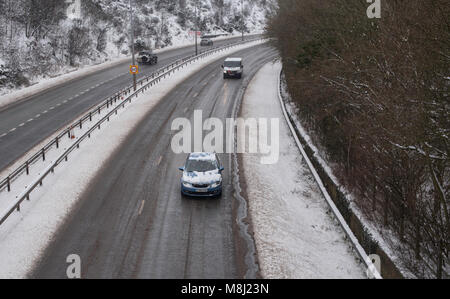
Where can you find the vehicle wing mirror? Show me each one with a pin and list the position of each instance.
(181, 168)
(221, 169)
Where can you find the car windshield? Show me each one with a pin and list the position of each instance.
(200, 165)
(232, 63)
(145, 53)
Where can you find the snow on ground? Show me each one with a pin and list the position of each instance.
(73, 73)
(296, 235)
(25, 235)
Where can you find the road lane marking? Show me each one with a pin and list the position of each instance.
(225, 92)
(159, 161)
(141, 207)
(43, 112)
(31, 119)
(51, 108)
(196, 95)
(3, 135)
(22, 124)
(38, 115)
(12, 130)
(65, 101)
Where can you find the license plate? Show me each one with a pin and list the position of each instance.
(201, 190)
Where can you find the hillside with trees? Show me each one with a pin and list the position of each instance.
(37, 38)
(374, 95)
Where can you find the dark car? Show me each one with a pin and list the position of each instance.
(206, 42)
(147, 57)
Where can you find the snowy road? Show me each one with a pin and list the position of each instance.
(295, 236)
(24, 124)
(132, 221)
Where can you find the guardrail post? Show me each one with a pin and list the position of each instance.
(57, 142)
(43, 154)
(8, 184)
(27, 167)
(90, 116)
(81, 124)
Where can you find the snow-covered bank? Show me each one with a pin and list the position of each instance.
(24, 236)
(295, 234)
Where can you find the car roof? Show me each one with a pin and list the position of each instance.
(202, 156)
(233, 59)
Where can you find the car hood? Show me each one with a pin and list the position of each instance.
(207, 177)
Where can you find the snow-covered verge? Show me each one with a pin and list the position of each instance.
(25, 235)
(385, 239)
(296, 235)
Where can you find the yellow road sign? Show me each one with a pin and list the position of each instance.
(134, 69)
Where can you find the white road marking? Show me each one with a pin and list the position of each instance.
(159, 161)
(51, 108)
(31, 119)
(196, 95)
(141, 207)
(43, 113)
(12, 130)
(3, 135)
(65, 101)
(38, 115)
(22, 124)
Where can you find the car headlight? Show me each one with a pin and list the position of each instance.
(187, 185)
(216, 184)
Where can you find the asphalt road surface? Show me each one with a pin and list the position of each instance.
(26, 123)
(133, 223)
